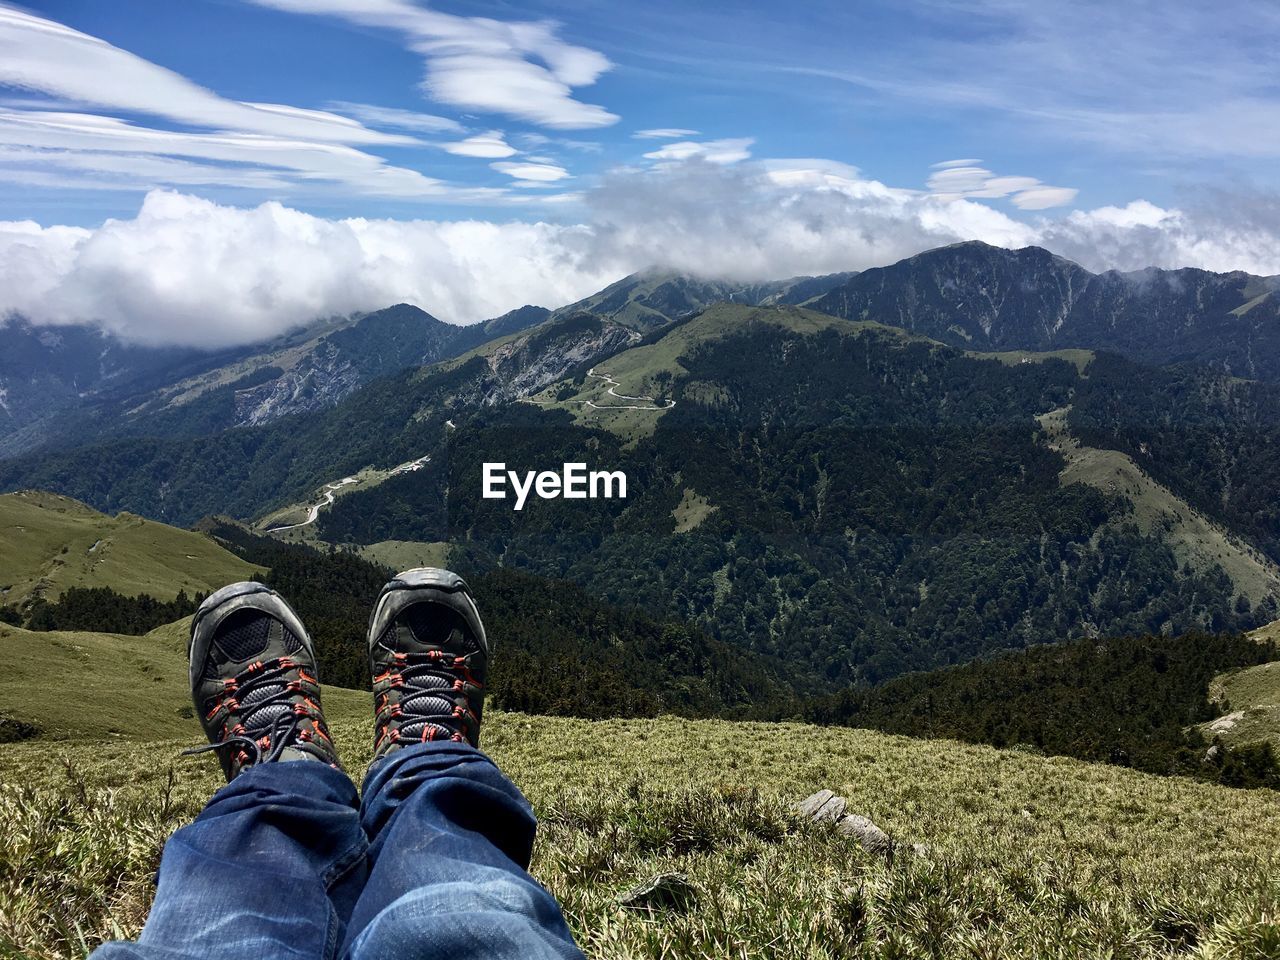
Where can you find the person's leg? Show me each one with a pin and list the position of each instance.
(451, 843)
(274, 864)
(272, 867)
(451, 836)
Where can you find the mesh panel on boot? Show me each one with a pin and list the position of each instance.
(291, 641)
(243, 634)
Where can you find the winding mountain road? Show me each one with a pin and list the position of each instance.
(622, 396)
(331, 489)
(644, 403)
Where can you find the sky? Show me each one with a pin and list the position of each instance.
(217, 171)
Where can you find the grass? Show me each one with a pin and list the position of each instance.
(404, 554)
(150, 670)
(692, 509)
(1000, 853)
(49, 543)
(1080, 359)
(1018, 856)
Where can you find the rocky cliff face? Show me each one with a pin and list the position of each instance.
(320, 379)
(524, 366)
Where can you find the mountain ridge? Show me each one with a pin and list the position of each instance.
(990, 298)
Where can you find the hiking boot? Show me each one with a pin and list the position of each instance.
(429, 657)
(253, 681)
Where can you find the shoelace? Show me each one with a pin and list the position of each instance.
(269, 739)
(279, 738)
(411, 676)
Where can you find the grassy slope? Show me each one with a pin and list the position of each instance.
(49, 543)
(1254, 697)
(403, 554)
(1080, 359)
(1022, 856)
(1193, 537)
(636, 368)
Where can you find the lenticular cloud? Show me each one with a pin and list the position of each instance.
(189, 271)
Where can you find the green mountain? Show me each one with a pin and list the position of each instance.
(858, 498)
(850, 497)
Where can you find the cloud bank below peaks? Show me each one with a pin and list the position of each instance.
(189, 271)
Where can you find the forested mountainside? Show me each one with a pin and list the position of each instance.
(855, 499)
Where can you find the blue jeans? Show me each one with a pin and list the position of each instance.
(286, 861)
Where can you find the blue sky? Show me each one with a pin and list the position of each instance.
(1087, 98)
(745, 137)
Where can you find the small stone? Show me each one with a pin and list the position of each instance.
(822, 807)
(872, 838)
(666, 891)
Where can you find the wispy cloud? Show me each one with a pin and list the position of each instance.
(201, 139)
(44, 56)
(712, 151)
(664, 133)
(397, 118)
(294, 161)
(1184, 80)
(516, 68)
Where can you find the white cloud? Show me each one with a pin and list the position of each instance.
(956, 179)
(396, 118)
(713, 151)
(518, 68)
(186, 270)
(665, 133)
(539, 172)
(488, 145)
(190, 271)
